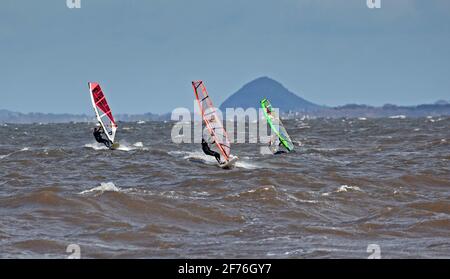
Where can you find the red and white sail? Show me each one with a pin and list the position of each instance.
(102, 110)
(211, 119)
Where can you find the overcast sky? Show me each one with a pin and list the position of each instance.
(145, 53)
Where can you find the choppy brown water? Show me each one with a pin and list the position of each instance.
(352, 183)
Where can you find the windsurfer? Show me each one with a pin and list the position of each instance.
(208, 151)
(99, 138)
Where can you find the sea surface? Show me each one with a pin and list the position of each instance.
(353, 188)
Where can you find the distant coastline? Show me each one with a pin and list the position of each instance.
(357, 111)
(347, 111)
(291, 105)
(7, 116)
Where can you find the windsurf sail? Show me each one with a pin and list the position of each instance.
(102, 110)
(275, 123)
(211, 119)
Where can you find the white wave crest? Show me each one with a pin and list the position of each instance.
(7, 155)
(124, 146)
(346, 188)
(210, 160)
(104, 187)
(138, 144)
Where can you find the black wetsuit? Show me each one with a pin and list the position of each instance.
(209, 152)
(98, 137)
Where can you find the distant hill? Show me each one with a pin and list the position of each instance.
(251, 94)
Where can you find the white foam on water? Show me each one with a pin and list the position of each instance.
(171, 195)
(195, 155)
(200, 194)
(138, 144)
(200, 156)
(7, 155)
(346, 188)
(173, 153)
(104, 187)
(123, 146)
(246, 165)
(362, 118)
(96, 146)
(141, 122)
(210, 160)
(292, 197)
(341, 189)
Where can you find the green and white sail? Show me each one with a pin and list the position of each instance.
(275, 123)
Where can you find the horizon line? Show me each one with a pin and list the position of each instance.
(446, 102)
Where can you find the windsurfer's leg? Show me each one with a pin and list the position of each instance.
(213, 154)
(209, 152)
(106, 142)
(217, 155)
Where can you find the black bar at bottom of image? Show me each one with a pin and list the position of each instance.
(245, 268)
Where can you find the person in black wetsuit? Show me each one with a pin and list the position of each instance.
(99, 138)
(209, 152)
